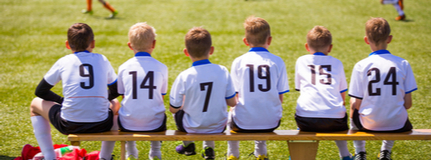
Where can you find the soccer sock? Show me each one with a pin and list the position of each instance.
(42, 131)
(360, 146)
(260, 148)
(390, 1)
(398, 9)
(387, 145)
(210, 144)
(106, 149)
(343, 148)
(131, 149)
(233, 148)
(89, 5)
(186, 143)
(109, 7)
(155, 149)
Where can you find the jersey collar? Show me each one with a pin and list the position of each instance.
(380, 52)
(142, 54)
(319, 54)
(82, 51)
(201, 62)
(258, 49)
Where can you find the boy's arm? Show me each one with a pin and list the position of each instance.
(408, 101)
(232, 101)
(354, 104)
(281, 97)
(43, 90)
(343, 97)
(112, 91)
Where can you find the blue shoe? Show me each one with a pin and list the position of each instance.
(347, 158)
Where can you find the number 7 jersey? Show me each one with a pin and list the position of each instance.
(381, 82)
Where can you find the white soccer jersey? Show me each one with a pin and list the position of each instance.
(259, 78)
(203, 90)
(85, 77)
(381, 81)
(143, 80)
(320, 80)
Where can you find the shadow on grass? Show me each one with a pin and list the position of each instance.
(2, 157)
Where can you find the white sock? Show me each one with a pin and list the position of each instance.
(260, 148)
(186, 143)
(343, 148)
(233, 148)
(155, 149)
(131, 149)
(42, 132)
(210, 144)
(398, 9)
(387, 145)
(360, 146)
(390, 1)
(106, 149)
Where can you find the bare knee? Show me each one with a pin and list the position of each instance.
(115, 106)
(102, 1)
(35, 106)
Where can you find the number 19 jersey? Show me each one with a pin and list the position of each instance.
(203, 90)
(381, 82)
(143, 80)
(85, 77)
(259, 78)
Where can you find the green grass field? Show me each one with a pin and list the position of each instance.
(33, 34)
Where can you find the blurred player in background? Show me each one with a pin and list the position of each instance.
(105, 4)
(398, 4)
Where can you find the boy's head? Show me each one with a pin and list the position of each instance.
(377, 31)
(80, 36)
(142, 37)
(319, 39)
(257, 31)
(198, 42)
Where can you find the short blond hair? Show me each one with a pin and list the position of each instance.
(319, 38)
(141, 36)
(257, 30)
(377, 30)
(198, 42)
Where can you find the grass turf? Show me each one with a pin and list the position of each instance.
(33, 32)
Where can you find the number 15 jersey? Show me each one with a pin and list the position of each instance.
(381, 82)
(259, 78)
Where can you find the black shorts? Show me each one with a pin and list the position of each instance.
(178, 118)
(356, 121)
(236, 128)
(159, 129)
(68, 127)
(322, 124)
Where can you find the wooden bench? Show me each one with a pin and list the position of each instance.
(301, 145)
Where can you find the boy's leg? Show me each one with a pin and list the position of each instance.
(233, 148)
(343, 149)
(89, 5)
(398, 9)
(131, 150)
(107, 147)
(39, 111)
(210, 144)
(107, 5)
(260, 148)
(155, 149)
(387, 145)
(208, 150)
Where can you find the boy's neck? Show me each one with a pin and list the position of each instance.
(379, 47)
(198, 59)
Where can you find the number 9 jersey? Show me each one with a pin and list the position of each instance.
(85, 77)
(381, 82)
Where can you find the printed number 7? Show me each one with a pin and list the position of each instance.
(207, 98)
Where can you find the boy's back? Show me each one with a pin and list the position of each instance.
(143, 81)
(321, 80)
(205, 87)
(381, 80)
(259, 78)
(83, 89)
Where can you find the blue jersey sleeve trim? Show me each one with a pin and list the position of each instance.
(284, 92)
(112, 83)
(343, 90)
(355, 96)
(231, 96)
(411, 91)
(163, 94)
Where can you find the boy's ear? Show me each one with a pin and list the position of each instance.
(366, 40)
(269, 39)
(211, 50)
(307, 47)
(67, 44)
(92, 44)
(389, 39)
(330, 48)
(130, 45)
(245, 41)
(154, 44)
(186, 52)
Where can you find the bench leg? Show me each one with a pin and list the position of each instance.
(123, 150)
(303, 150)
(75, 143)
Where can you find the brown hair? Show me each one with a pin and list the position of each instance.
(377, 30)
(80, 36)
(257, 30)
(318, 38)
(141, 36)
(198, 42)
